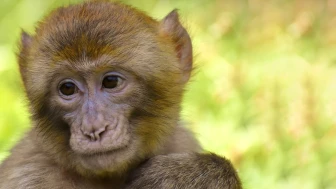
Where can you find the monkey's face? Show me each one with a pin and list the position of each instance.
(115, 108)
(107, 110)
(105, 84)
(97, 104)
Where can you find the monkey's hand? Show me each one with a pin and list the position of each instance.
(189, 170)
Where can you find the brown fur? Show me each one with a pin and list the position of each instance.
(186, 170)
(138, 122)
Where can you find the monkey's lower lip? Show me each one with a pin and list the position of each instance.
(103, 152)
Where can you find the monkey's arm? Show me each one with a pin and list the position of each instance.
(188, 170)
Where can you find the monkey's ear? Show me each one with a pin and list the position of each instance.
(25, 44)
(171, 26)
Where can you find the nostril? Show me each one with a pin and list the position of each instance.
(99, 133)
(89, 135)
(94, 135)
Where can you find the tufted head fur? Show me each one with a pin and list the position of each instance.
(86, 39)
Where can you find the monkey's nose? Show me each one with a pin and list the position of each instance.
(95, 135)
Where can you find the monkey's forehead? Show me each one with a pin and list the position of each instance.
(97, 15)
(93, 29)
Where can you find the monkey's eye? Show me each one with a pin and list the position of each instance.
(68, 88)
(111, 81)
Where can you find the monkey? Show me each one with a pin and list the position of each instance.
(104, 82)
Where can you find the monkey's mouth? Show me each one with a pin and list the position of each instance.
(104, 152)
(109, 145)
(113, 140)
(98, 149)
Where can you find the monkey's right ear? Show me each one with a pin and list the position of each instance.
(25, 44)
(170, 26)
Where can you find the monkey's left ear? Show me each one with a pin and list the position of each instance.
(171, 26)
(26, 41)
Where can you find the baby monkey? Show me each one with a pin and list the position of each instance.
(104, 83)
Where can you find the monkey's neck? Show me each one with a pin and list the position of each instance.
(180, 141)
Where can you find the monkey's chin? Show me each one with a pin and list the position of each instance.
(108, 162)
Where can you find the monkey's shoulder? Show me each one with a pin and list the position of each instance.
(26, 167)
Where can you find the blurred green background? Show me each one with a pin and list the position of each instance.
(263, 94)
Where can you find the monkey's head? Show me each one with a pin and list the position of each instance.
(105, 83)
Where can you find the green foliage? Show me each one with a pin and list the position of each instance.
(262, 95)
